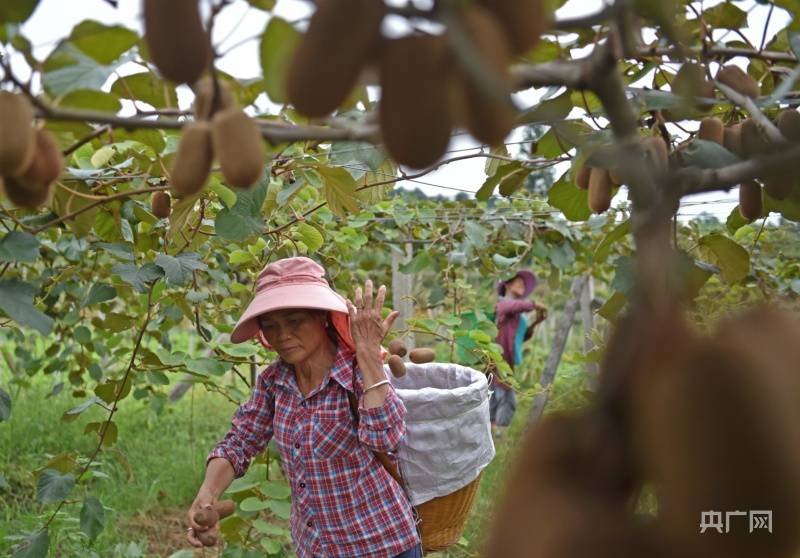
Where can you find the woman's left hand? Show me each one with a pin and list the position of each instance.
(366, 325)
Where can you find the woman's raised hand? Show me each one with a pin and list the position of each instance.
(366, 325)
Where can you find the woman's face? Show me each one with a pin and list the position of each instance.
(295, 333)
(516, 287)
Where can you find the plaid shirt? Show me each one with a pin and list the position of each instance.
(344, 503)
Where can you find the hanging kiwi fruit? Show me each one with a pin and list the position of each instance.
(657, 153)
(732, 139)
(17, 136)
(523, 20)
(600, 190)
(788, 122)
(582, 178)
(736, 78)
(47, 162)
(238, 147)
(711, 129)
(160, 204)
(750, 203)
(488, 119)
(690, 83)
(176, 39)
(414, 116)
(192, 163)
(23, 195)
(341, 35)
(204, 106)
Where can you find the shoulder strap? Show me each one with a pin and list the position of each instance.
(384, 459)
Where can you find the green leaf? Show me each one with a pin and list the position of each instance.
(111, 432)
(278, 42)
(604, 247)
(613, 306)
(268, 528)
(707, 155)
(35, 547)
(111, 390)
(624, 275)
(68, 69)
(205, 366)
(139, 277)
(178, 269)
(73, 413)
(339, 189)
(147, 88)
(476, 234)
(571, 200)
(732, 260)
(227, 195)
(421, 260)
(550, 110)
(280, 508)
(5, 405)
(310, 236)
(243, 219)
(253, 504)
(100, 293)
(504, 172)
(16, 11)
(276, 489)
(725, 15)
(102, 43)
(54, 487)
(90, 99)
(16, 300)
(18, 246)
(92, 517)
(266, 5)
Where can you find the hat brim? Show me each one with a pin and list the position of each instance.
(317, 297)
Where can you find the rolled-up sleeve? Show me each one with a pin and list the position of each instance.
(251, 429)
(382, 428)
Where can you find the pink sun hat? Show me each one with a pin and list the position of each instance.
(293, 283)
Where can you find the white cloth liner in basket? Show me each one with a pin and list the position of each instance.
(448, 439)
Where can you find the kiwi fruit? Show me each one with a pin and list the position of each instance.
(489, 120)
(735, 78)
(711, 129)
(17, 136)
(160, 205)
(397, 347)
(46, 164)
(690, 83)
(422, 355)
(414, 116)
(656, 151)
(397, 366)
(582, 178)
(779, 185)
(600, 190)
(208, 517)
(616, 175)
(341, 36)
(523, 20)
(177, 42)
(207, 538)
(238, 147)
(204, 106)
(192, 163)
(788, 123)
(26, 196)
(750, 204)
(732, 139)
(708, 418)
(753, 143)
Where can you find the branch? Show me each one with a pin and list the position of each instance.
(719, 52)
(568, 73)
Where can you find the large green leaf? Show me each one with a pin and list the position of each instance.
(707, 155)
(732, 260)
(16, 300)
(100, 293)
(92, 517)
(16, 11)
(147, 88)
(421, 260)
(53, 486)
(310, 236)
(67, 69)
(103, 43)
(243, 219)
(604, 247)
(278, 42)
(339, 189)
(725, 15)
(178, 269)
(139, 277)
(571, 200)
(18, 246)
(90, 99)
(35, 547)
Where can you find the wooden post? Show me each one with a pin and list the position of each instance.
(557, 349)
(402, 285)
(587, 319)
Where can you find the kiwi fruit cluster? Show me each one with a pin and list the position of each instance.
(426, 90)
(30, 159)
(600, 183)
(176, 39)
(220, 130)
(707, 422)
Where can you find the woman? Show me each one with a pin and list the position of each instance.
(512, 331)
(344, 503)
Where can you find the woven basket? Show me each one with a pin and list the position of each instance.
(442, 519)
